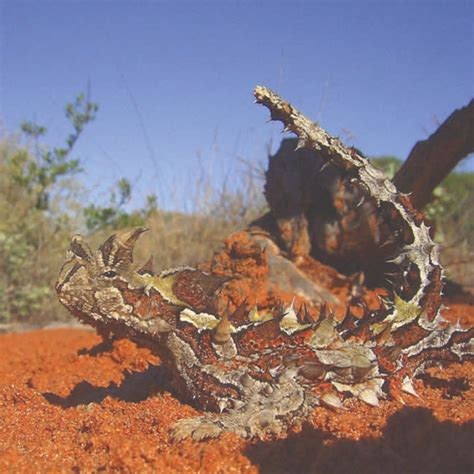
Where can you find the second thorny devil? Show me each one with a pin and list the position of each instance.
(255, 372)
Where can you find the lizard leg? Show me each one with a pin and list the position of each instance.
(269, 411)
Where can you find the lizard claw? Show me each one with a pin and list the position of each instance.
(197, 428)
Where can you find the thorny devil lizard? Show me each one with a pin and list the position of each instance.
(260, 373)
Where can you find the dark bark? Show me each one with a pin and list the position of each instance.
(431, 160)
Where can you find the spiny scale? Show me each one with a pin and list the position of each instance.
(257, 372)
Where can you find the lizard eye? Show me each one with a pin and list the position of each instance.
(110, 274)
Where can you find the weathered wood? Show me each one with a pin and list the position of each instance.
(431, 160)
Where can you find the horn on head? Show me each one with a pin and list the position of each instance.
(117, 250)
(79, 248)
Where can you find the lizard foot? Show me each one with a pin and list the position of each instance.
(244, 424)
(197, 428)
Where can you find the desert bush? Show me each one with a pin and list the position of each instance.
(35, 224)
(453, 211)
(32, 243)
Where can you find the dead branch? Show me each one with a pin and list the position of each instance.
(431, 160)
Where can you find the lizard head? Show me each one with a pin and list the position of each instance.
(103, 289)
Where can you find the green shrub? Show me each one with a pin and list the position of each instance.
(33, 235)
(31, 242)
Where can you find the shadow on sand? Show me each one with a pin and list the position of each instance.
(412, 442)
(136, 386)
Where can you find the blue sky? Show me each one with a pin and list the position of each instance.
(174, 79)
